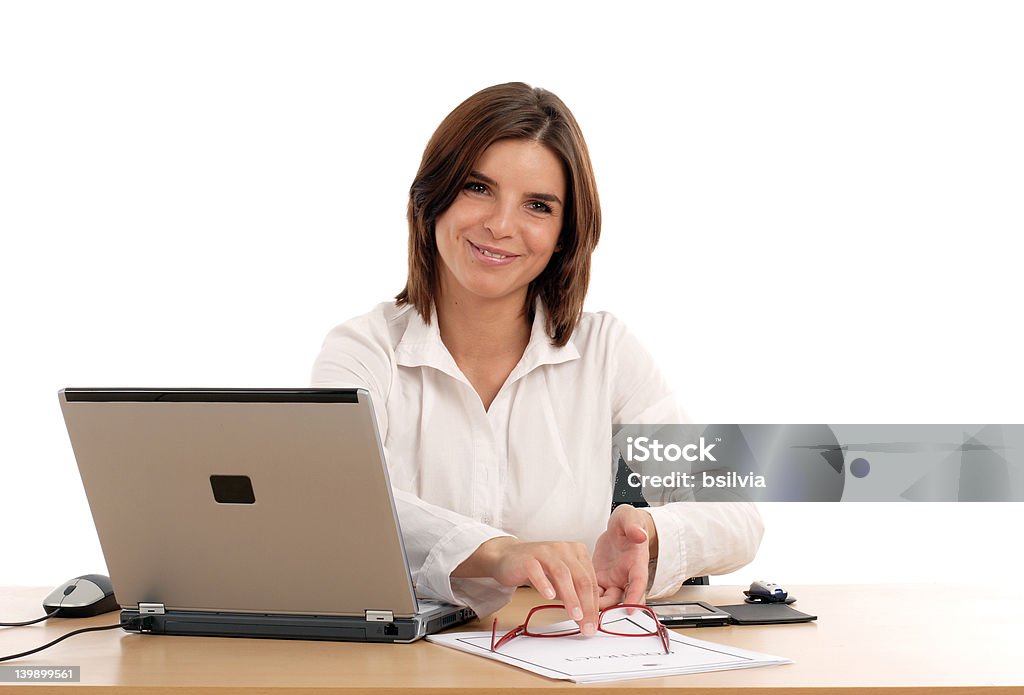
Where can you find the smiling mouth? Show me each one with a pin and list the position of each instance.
(491, 254)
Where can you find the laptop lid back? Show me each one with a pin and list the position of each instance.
(241, 500)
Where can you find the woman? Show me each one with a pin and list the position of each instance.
(496, 396)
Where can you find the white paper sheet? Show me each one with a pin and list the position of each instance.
(604, 657)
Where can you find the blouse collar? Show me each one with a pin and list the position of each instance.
(421, 346)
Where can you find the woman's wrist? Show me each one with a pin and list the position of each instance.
(652, 534)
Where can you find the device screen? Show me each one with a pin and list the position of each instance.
(681, 610)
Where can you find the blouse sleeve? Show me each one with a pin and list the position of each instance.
(358, 354)
(694, 538)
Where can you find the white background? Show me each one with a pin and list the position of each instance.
(812, 214)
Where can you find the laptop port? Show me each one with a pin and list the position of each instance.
(391, 630)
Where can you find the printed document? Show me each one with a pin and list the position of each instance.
(605, 657)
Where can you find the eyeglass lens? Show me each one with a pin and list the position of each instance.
(555, 621)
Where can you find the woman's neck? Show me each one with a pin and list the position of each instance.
(474, 328)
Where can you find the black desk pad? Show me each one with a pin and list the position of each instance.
(765, 614)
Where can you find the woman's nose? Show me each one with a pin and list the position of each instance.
(500, 220)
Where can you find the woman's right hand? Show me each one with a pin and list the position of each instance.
(556, 569)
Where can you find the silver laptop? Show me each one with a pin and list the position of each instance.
(248, 513)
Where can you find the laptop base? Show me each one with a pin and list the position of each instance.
(302, 627)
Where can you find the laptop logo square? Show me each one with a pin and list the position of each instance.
(232, 489)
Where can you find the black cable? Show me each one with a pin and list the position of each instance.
(64, 637)
(49, 615)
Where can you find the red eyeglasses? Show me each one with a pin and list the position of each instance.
(624, 620)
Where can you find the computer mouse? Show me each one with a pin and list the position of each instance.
(82, 597)
(767, 592)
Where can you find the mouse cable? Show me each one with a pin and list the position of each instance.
(49, 615)
(144, 620)
(32, 622)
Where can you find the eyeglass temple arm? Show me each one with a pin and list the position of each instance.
(515, 632)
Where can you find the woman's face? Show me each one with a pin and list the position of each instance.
(501, 230)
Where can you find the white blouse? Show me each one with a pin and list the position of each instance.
(540, 464)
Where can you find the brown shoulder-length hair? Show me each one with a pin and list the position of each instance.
(513, 110)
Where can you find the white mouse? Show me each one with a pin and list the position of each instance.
(82, 597)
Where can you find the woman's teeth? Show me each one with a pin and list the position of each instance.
(490, 254)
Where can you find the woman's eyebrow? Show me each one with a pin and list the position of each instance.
(486, 179)
(545, 196)
(539, 196)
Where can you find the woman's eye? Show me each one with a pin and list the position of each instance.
(538, 206)
(476, 187)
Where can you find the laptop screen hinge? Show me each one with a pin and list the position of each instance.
(380, 616)
(151, 609)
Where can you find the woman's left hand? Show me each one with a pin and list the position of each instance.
(622, 554)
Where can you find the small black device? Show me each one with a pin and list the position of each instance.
(689, 614)
(765, 614)
(767, 592)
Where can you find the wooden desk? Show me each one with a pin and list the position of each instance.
(886, 639)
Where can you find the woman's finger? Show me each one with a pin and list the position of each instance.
(538, 579)
(637, 585)
(587, 590)
(611, 596)
(565, 588)
(637, 534)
